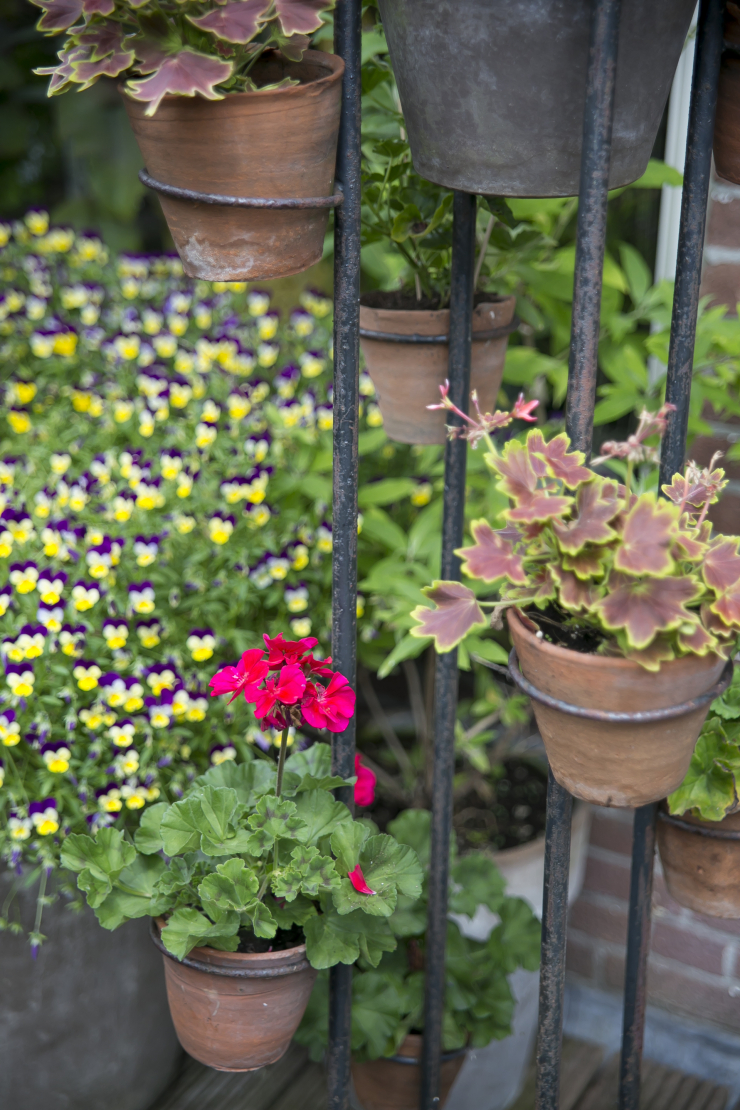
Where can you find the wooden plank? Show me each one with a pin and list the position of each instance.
(306, 1092)
(718, 1100)
(708, 1097)
(667, 1092)
(601, 1093)
(201, 1088)
(580, 1063)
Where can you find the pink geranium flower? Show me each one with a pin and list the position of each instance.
(357, 879)
(243, 678)
(282, 651)
(287, 688)
(365, 785)
(329, 707)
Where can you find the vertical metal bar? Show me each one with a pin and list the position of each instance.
(638, 950)
(446, 674)
(678, 389)
(598, 117)
(347, 43)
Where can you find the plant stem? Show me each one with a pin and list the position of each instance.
(628, 479)
(40, 901)
(281, 761)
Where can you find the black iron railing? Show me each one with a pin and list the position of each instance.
(583, 365)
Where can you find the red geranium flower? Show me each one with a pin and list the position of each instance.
(282, 651)
(247, 674)
(286, 687)
(365, 785)
(329, 707)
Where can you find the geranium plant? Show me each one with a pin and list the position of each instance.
(388, 998)
(207, 48)
(250, 850)
(607, 569)
(710, 788)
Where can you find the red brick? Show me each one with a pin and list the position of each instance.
(608, 878)
(683, 945)
(599, 921)
(724, 223)
(722, 926)
(722, 284)
(580, 957)
(611, 833)
(705, 997)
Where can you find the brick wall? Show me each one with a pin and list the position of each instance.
(694, 966)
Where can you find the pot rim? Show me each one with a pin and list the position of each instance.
(697, 826)
(332, 62)
(589, 659)
(236, 965)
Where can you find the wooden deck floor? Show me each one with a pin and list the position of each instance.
(588, 1082)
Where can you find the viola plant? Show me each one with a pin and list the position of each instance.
(208, 50)
(256, 851)
(600, 567)
(388, 997)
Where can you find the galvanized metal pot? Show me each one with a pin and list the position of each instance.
(85, 1025)
(701, 862)
(493, 90)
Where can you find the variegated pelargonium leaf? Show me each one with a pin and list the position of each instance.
(645, 606)
(648, 532)
(588, 563)
(456, 612)
(301, 17)
(575, 594)
(596, 504)
(557, 460)
(237, 21)
(694, 637)
(493, 556)
(722, 574)
(184, 74)
(541, 586)
(653, 656)
(85, 72)
(519, 482)
(58, 15)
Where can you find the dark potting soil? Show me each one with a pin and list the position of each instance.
(405, 300)
(513, 813)
(283, 939)
(564, 630)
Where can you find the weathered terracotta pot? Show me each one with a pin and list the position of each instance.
(394, 1082)
(613, 764)
(242, 1014)
(727, 120)
(702, 872)
(407, 376)
(271, 143)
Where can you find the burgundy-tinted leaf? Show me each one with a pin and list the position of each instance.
(492, 557)
(561, 463)
(456, 612)
(696, 639)
(596, 504)
(519, 480)
(237, 21)
(660, 651)
(681, 491)
(98, 7)
(85, 73)
(689, 546)
(58, 14)
(101, 39)
(301, 17)
(648, 532)
(573, 593)
(588, 563)
(722, 574)
(185, 74)
(294, 47)
(538, 507)
(541, 587)
(714, 624)
(646, 606)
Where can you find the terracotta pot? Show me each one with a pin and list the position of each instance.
(702, 872)
(727, 120)
(271, 143)
(607, 763)
(235, 1011)
(394, 1082)
(407, 376)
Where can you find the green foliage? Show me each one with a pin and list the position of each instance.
(387, 991)
(710, 788)
(207, 898)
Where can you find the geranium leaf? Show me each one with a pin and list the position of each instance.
(187, 928)
(644, 607)
(185, 74)
(140, 879)
(728, 705)
(710, 782)
(331, 939)
(476, 881)
(388, 867)
(346, 844)
(519, 482)
(721, 572)
(104, 857)
(648, 531)
(263, 923)
(276, 819)
(318, 873)
(320, 815)
(694, 637)
(542, 587)
(301, 17)
(296, 912)
(596, 504)
(249, 780)
(561, 463)
(652, 657)
(586, 564)
(180, 827)
(218, 805)
(286, 883)
(573, 593)
(377, 1010)
(232, 886)
(238, 21)
(147, 837)
(456, 612)
(58, 15)
(492, 556)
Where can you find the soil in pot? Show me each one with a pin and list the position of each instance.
(613, 764)
(394, 1083)
(505, 811)
(407, 376)
(278, 143)
(702, 872)
(237, 1011)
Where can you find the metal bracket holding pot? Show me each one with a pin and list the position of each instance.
(393, 337)
(228, 972)
(702, 830)
(416, 1060)
(613, 717)
(241, 202)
